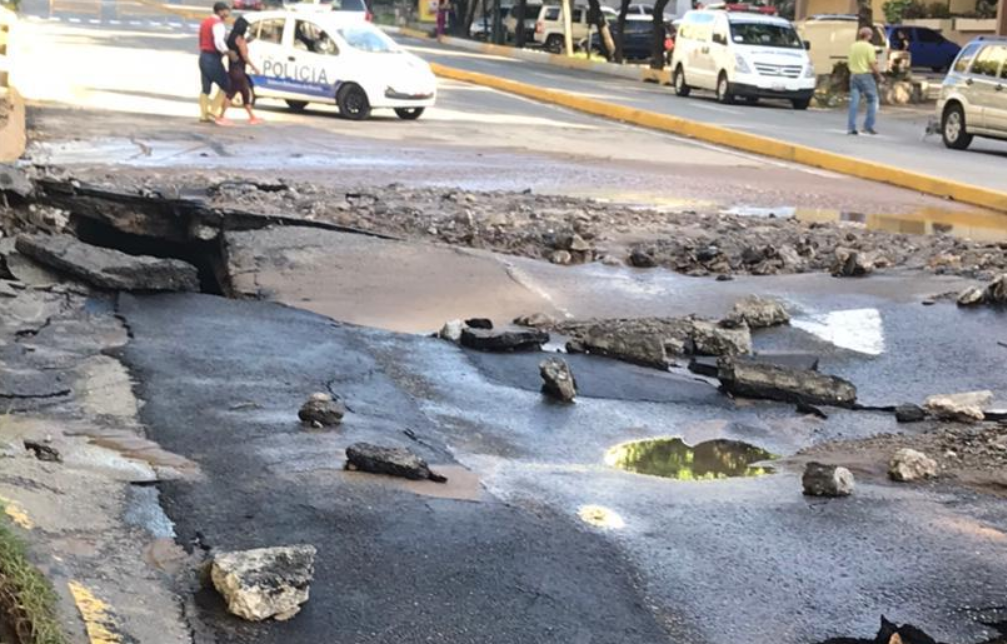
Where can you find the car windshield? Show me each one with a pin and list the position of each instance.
(367, 38)
(767, 35)
(349, 5)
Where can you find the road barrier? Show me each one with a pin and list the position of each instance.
(12, 128)
(753, 143)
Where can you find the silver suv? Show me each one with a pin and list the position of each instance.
(973, 98)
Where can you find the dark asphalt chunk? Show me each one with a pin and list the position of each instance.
(391, 566)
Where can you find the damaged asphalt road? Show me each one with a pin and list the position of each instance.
(732, 560)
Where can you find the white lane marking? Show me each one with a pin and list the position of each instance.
(55, 19)
(94, 21)
(115, 22)
(716, 108)
(136, 22)
(74, 20)
(174, 24)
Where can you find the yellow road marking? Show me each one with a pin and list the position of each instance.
(17, 513)
(100, 625)
(727, 137)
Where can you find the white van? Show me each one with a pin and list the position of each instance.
(742, 54)
(831, 37)
(335, 58)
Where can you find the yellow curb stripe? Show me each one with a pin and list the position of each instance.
(100, 625)
(16, 513)
(753, 143)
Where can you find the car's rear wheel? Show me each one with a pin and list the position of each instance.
(724, 94)
(953, 129)
(681, 87)
(752, 100)
(353, 103)
(554, 44)
(801, 103)
(296, 106)
(409, 113)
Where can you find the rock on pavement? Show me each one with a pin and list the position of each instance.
(265, 582)
(964, 407)
(394, 461)
(995, 293)
(827, 480)
(910, 413)
(909, 465)
(322, 409)
(558, 381)
(759, 312)
(106, 268)
(852, 263)
(773, 382)
(503, 341)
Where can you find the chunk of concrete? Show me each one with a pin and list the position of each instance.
(752, 380)
(504, 341)
(557, 380)
(759, 312)
(452, 331)
(712, 339)
(910, 465)
(910, 413)
(322, 409)
(106, 268)
(709, 365)
(645, 349)
(972, 296)
(393, 461)
(15, 181)
(965, 407)
(852, 263)
(266, 582)
(827, 480)
(536, 320)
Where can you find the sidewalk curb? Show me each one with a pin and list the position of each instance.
(744, 141)
(13, 138)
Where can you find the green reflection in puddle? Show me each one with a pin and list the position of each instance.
(674, 459)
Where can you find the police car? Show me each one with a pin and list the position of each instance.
(338, 59)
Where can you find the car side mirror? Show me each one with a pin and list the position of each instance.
(720, 39)
(807, 45)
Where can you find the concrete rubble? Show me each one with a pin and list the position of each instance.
(557, 380)
(503, 340)
(852, 263)
(993, 294)
(826, 480)
(910, 413)
(772, 382)
(964, 407)
(393, 461)
(264, 583)
(106, 268)
(910, 465)
(536, 320)
(759, 312)
(322, 410)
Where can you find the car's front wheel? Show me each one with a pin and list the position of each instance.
(801, 103)
(953, 130)
(724, 94)
(554, 44)
(353, 103)
(409, 113)
(681, 87)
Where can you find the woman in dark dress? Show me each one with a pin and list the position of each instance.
(237, 55)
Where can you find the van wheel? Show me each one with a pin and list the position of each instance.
(953, 130)
(297, 106)
(681, 88)
(353, 103)
(554, 44)
(409, 113)
(801, 103)
(724, 90)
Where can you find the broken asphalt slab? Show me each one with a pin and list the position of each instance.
(518, 566)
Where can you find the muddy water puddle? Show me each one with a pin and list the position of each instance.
(976, 225)
(673, 458)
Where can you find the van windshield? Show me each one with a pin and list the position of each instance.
(766, 35)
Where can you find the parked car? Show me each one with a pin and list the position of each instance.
(356, 8)
(248, 5)
(973, 100)
(742, 54)
(549, 26)
(531, 14)
(482, 26)
(831, 36)
(335, 57)
(927, 47)
(638, 42)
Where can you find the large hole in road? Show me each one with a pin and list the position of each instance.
(673, 458)
(206, 256)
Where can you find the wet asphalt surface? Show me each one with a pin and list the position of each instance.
(735, 560)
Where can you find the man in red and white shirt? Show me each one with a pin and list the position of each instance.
(212, 49)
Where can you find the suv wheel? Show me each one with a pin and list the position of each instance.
(953, 130)
(554, 44)
(724, 89)
(681, 88)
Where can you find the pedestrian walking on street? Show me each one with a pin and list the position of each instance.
(442, 16)
(237, 61)
(864, 80)
(212, 49)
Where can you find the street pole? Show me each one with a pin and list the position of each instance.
(568, 28)
(497, 40)
(1002, 18)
